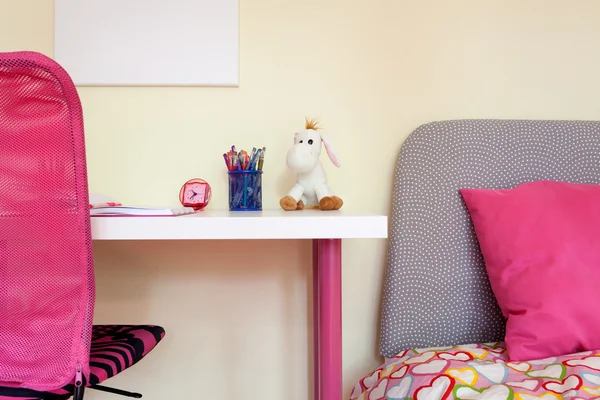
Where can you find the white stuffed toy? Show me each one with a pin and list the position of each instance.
(311, 188)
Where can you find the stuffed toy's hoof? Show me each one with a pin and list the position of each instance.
(300, 205)
(338, 202)
(327, 203)
(288, 203)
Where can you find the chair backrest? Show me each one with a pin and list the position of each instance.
(437, 291)
(46, 268)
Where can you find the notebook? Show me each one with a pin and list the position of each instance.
(139, 211)
(101, 205)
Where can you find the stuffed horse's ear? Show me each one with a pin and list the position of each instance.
(330, 151)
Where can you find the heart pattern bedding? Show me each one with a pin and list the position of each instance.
(478, 372)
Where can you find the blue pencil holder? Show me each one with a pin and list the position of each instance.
(245, 190)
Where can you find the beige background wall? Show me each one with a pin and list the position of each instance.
(237, 312)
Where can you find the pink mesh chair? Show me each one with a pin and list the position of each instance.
(49, 347)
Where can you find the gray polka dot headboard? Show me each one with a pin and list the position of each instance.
(436, 289)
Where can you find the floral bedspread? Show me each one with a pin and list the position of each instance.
(481, 372)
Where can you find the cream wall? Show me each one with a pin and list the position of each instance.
(372, 71)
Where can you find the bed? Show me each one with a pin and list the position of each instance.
(443, 328)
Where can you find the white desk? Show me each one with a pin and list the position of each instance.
(324, 228)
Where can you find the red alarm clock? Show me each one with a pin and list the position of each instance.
(195, 193)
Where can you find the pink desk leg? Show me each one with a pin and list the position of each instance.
(315, 274)
(330, 318)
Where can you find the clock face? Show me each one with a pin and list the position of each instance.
(194, 193)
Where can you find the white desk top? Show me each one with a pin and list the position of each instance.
(276, 224)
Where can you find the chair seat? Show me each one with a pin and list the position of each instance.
(118, 347)
(114, 349)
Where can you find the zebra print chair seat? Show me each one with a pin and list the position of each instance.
(114, 349)
(118, 347)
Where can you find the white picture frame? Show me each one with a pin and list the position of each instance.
(148, 42)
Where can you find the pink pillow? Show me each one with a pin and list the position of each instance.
(541, 246)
